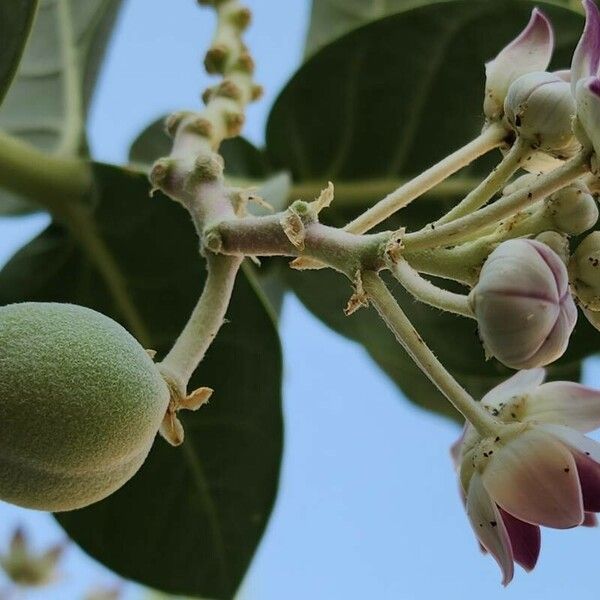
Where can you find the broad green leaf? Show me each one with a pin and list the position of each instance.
(330, 19)
(394, 97)
(15, 23)
(190, 521)
(49, 97)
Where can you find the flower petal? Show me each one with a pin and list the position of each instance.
(588, 112)
(586, 453)
(525, 540)
(521, 383)
(529, 51)
(534, 478)
(489, 527)
(565, 403)
(586, 57)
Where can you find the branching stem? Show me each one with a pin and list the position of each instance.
(490, 138)
(411, 341)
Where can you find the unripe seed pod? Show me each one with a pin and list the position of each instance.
(573, 209)
(523, 305)
(540, 107)
(80, 404)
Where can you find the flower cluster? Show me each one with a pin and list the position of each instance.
(536, 467)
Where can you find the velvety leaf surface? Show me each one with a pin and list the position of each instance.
(190, 521)
(15, 23)
(394, 97)
(49, 97)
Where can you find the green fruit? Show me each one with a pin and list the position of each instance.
(80, 404)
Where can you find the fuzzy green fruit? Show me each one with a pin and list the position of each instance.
(80, 404)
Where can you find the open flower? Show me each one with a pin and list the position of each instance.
(523, 306)
(538, 469)
(530, 51)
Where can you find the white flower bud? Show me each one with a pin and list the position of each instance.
(540, 107)
(529, 51)
(522, 304)
(573, 209)
(558, 242)
(584, 272)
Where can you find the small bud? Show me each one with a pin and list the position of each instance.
(584, 272)
(573, 209)
(216, 59)
(241, 18)
(245, 64)
(522, 304)
(256, 93)
(160, 174)
(558, 242)
(228, 89)
(200, 126)
(206, 170)
(540, 107)
(530, 51)
(234, 123)
(173, 121)
(207, 95)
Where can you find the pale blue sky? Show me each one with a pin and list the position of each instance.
(368, 505)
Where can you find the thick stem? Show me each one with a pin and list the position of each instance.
(425, 291)
(205, 321)
(465, 227)
(48, 181)
(264, 236)
(490, 138)
(492, 184)
(411, 341)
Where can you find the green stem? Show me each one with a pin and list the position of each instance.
(467, 226)
(49, 181)
(205, 321)
(492, 184)
(490, 138)
(411, 341)
(425, 291)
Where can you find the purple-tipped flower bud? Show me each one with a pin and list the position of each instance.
(588, 113)
(540, 108)
(523, 305)
(530, 51)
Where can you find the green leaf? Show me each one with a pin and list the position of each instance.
(190, 521)
(49, 97)
(394, 97)
(330, 19)
(15, 23)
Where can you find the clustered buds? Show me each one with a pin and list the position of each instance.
(537, 469)
(523, 306)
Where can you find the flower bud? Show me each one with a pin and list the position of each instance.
(540, 107)
(530, 51)
(573, 209)
(558, 242)
(522, 304)
(584, 272)
(588, 113)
